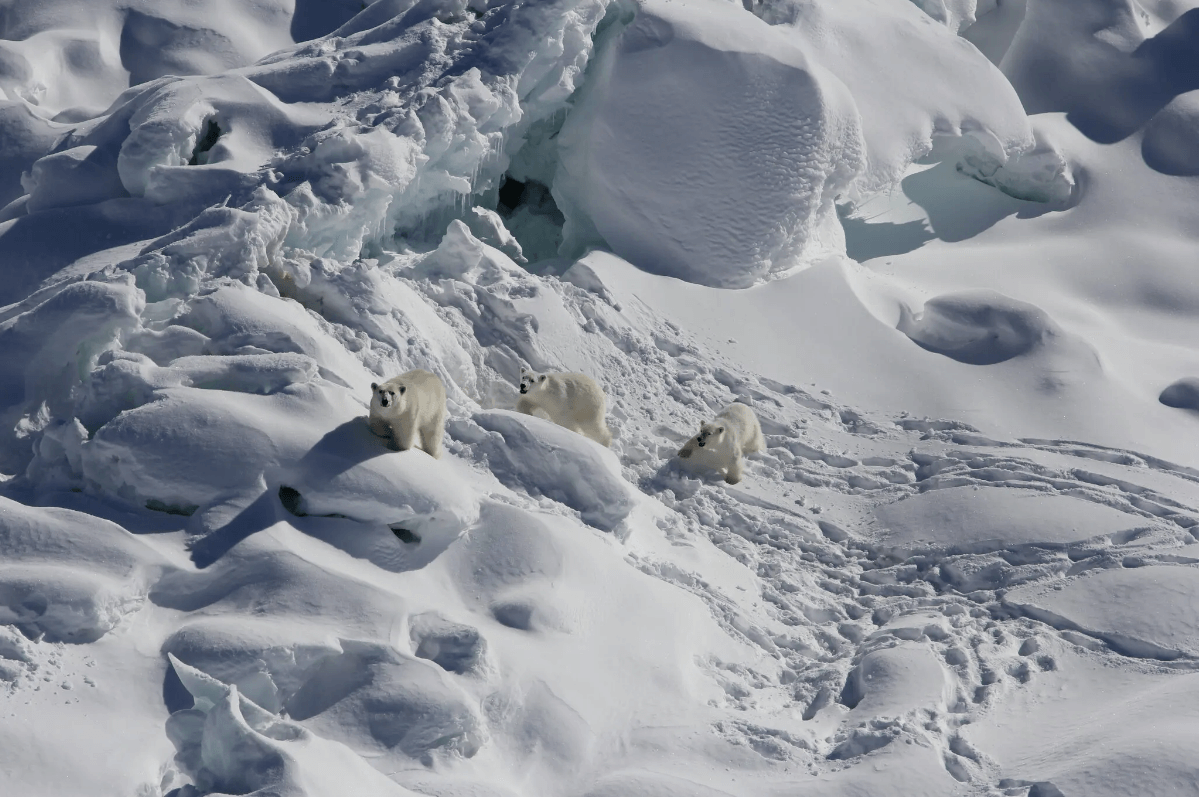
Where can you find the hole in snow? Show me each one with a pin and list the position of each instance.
(404, 535)
(532, 216)
(206, 141)
(511, 191)
(171, 509)
(291, 500)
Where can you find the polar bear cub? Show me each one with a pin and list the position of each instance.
(571, 400)
(410, 410)
(722, 442)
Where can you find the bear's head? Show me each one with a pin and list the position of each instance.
(386, 395)
(709, 433)
(529, 380)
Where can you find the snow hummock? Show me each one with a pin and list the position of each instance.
(729, 202)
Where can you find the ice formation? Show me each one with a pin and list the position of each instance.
(222, 221)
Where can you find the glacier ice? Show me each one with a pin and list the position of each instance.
(723, 202)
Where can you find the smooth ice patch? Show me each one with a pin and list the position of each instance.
(971, 519)
(1148, 612)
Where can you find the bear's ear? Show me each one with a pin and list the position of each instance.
(720, 430)
(374, 385)
(523, 370)
(402, 389)
(541, 378)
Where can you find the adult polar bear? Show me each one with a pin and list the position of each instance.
(410, 410)
(722, 442)
(574, 401)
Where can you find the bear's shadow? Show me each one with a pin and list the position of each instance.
(684, 479)
(348, 444)
(218, 528)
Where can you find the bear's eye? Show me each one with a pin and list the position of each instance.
(542, 379)
(720, 430)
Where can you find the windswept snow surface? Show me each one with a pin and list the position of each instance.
(967, 562)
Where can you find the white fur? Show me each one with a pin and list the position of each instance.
(415, 413)
(571, 400)
(722, 442)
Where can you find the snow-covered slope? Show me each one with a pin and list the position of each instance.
(967, 562)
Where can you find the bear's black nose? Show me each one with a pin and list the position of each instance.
(524, 389)
(701, 443)
(383, 401)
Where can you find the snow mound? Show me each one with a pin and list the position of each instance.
(905, 103)
(969, 519)
(190, 448)
(542, 457)
(69, 576)
(378, 699)
(1171, 141)
(41, 349)
(1147, 612)
(708, 147)
(511, 566)
(1183, 394)
(267, 661)
(202, 139)
(979, 327)
(27, 137)
(350, 472)
(70, 61)
(895, 680)
(77, 176)
(451, 646)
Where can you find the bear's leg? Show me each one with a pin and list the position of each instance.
(380, 427)
(687, 450)
(598, 431)
(405, 435)
(733, 474)
(431, 435)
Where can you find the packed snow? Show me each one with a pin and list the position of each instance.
(943, 250)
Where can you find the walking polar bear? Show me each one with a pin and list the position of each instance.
(409, 409)
(722, 442)
(571, 400)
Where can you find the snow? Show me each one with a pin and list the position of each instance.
(1147, 612)
(737, 200)
(958, 295)
(1169, 139)
(966, 518)
(563, 465)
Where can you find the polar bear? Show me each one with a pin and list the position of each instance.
(571, 400)
(722, 442)
(410, 410)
